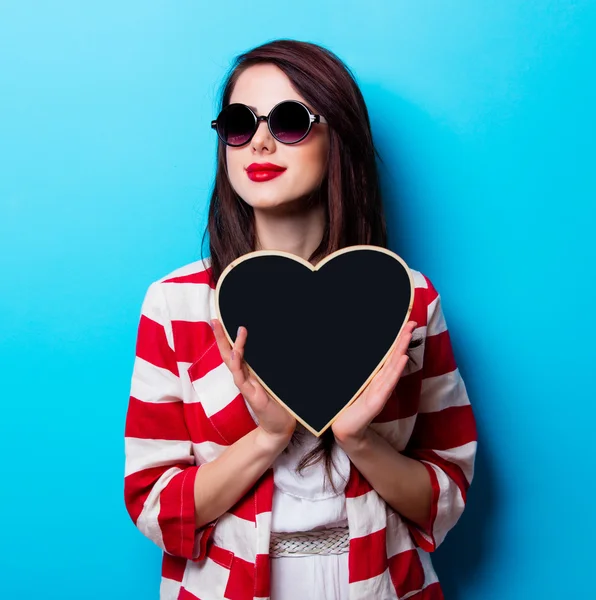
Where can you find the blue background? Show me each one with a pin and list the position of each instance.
(484, 114)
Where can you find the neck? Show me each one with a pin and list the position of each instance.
(299, 232)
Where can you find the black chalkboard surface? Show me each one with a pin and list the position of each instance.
(316, 334)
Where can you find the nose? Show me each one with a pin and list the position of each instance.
(262, 139)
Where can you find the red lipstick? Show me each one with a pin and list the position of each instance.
(263, 171)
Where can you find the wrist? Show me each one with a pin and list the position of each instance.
(271, 443)
(356, 442)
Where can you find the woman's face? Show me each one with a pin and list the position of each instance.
(261, 87)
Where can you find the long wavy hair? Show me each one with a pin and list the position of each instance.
(350, 189)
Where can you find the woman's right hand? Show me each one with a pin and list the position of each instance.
(274, 420)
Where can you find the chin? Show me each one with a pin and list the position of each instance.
(269, 201)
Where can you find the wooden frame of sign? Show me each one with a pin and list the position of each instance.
(264, 292)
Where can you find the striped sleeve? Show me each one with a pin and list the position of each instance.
(444, 436)
(160, 465)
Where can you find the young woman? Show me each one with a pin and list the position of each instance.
(245, 503)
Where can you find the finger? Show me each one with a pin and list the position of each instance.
(386, 379)
(405, 336)
(401, 347)
(385, 384)
(225, 349)
(398, 359)
(237, 364)
(239, 343)
(239, 347)
(396, 370)
(224, 346)
(243, 378)
(233, 356)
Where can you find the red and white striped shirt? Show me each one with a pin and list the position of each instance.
(185, 409)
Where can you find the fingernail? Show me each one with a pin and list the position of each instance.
(238, 332)
(211, 324)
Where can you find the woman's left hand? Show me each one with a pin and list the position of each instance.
(352, 423)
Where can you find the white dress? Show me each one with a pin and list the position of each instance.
(303, 502)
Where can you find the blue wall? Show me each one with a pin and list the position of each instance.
(484, 114)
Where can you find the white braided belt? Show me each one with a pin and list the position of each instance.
(334, 540)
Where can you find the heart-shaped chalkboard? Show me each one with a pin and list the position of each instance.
(316, 334)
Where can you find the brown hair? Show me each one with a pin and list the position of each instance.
(350, 189)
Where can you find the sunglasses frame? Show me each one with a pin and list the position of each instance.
(313, 118)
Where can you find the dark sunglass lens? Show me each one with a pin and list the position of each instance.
(289, 122)
(236, 124)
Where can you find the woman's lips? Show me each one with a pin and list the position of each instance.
(263, 175)
(263, 171)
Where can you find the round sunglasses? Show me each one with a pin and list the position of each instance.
(289, 122)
